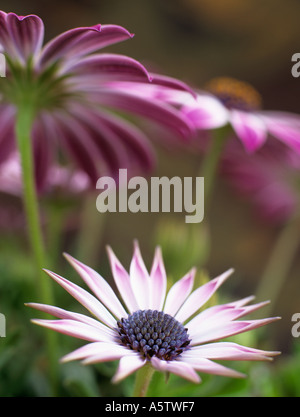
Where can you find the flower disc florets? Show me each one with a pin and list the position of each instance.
(153, 333)
(235, 94)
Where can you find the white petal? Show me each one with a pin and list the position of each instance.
(210, 367)
(97, 351)
(201, 296)
(122, 281)
(128, 365)
(140, 279)
(179, 292)
(75, 329)
(99, 286)
(182, 369)
(158, 282)
(65, 314)
(86, 299)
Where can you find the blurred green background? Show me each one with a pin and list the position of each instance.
(193, 40)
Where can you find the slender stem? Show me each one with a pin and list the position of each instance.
(142, 380)
(210, 164)
(279, 264)
(23, 134)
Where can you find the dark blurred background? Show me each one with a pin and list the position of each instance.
(195, 40)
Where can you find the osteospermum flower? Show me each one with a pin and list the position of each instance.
(228, 101)
(268, 179)
(65, 86)
(152, 325)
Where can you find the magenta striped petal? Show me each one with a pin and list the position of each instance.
(70, 315)
(82, 41)
(104, 67)
(128, 365)
(210, 367)
(158, 282)
(249, 128)
(155, 110)
(139, 279)
(99, 286)
(179, 292)
(122, 280)
(96, 352)
(201, 296)
(21, 36)
(182, 369)
(7, 134)
(75, 329)
(86, 299)
(136, 143)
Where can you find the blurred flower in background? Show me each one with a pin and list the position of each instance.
(268, 179)
(65, 85)
(156, 326)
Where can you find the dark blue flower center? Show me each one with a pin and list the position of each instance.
(153, 333)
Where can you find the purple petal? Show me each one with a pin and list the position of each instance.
(155, 110)
(43, 152)
(104, 67)
(82, 41)
(7, 134)
(179, 292)
(122, 280)
(99, 286)
(21, 37)
(75, 329)
(250, 128)
(137, 145)
(86, 299)
(182, 369)
(140, 279)
(79, 144)
(128, 365)
(158, 282)
(201, 296)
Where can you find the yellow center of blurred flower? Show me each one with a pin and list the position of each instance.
(235, 94)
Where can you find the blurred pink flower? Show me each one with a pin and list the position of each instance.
(58, 178)
(227, 101)
(268, 179)
(66, 82)
(154, 325)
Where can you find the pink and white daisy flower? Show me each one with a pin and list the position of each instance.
(66, 84)
(152, 325)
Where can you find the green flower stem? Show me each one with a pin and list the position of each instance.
(279, 263)
(210, 164)
(24, 122)
(142, 380)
